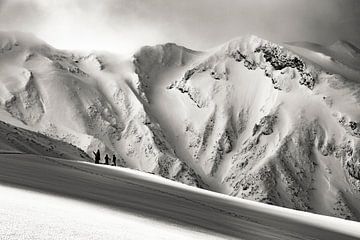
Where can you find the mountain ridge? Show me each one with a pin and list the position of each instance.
(249, 118)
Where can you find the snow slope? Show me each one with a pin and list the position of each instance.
(34, 215)
(15, 140)
(132, 205)
(257, 121)
(249, 118)
(86, 100)
(341, 57)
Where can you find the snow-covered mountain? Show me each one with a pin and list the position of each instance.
(87, 100)
(253, 119)
(15, 140)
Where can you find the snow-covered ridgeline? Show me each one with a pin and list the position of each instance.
(250, 118)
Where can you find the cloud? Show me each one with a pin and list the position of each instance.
(83, 25)
(19, 15)
(125, 25)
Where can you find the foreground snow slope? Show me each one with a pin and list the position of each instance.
(249, 118)
(29, 215)
(130, 192)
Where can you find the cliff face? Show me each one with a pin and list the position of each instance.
(251, 118)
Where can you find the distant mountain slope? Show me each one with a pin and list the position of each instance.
(18, 140)
(341, 57)
(250, 118)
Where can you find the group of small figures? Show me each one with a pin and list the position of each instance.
(107, 158)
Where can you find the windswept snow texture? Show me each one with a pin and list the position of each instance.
(250, 118)
(127, 204)
(28, 215)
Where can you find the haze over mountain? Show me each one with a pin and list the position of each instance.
(123, 26)
(250, 118)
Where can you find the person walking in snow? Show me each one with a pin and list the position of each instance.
(114, 159)
(97, 156)
(107, 159)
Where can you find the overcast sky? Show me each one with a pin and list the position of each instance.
(124, 25)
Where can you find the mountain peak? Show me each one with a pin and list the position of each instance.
(14, 38)
(167, 54)
(247, 41)
(166, 48)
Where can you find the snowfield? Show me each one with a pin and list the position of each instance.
(64, 199)
(29, 215)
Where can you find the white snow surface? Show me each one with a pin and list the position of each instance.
(29, 215)
(64, 199)
(250, 118)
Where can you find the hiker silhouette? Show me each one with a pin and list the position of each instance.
(107, 159)
(97, 156)
(114, 160)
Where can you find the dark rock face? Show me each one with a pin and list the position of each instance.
(353, 167)
(351, 127)
(237, 55)
(265, 125)
(307, 79)
(189, 73)
(251, 65)
(279, 59)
